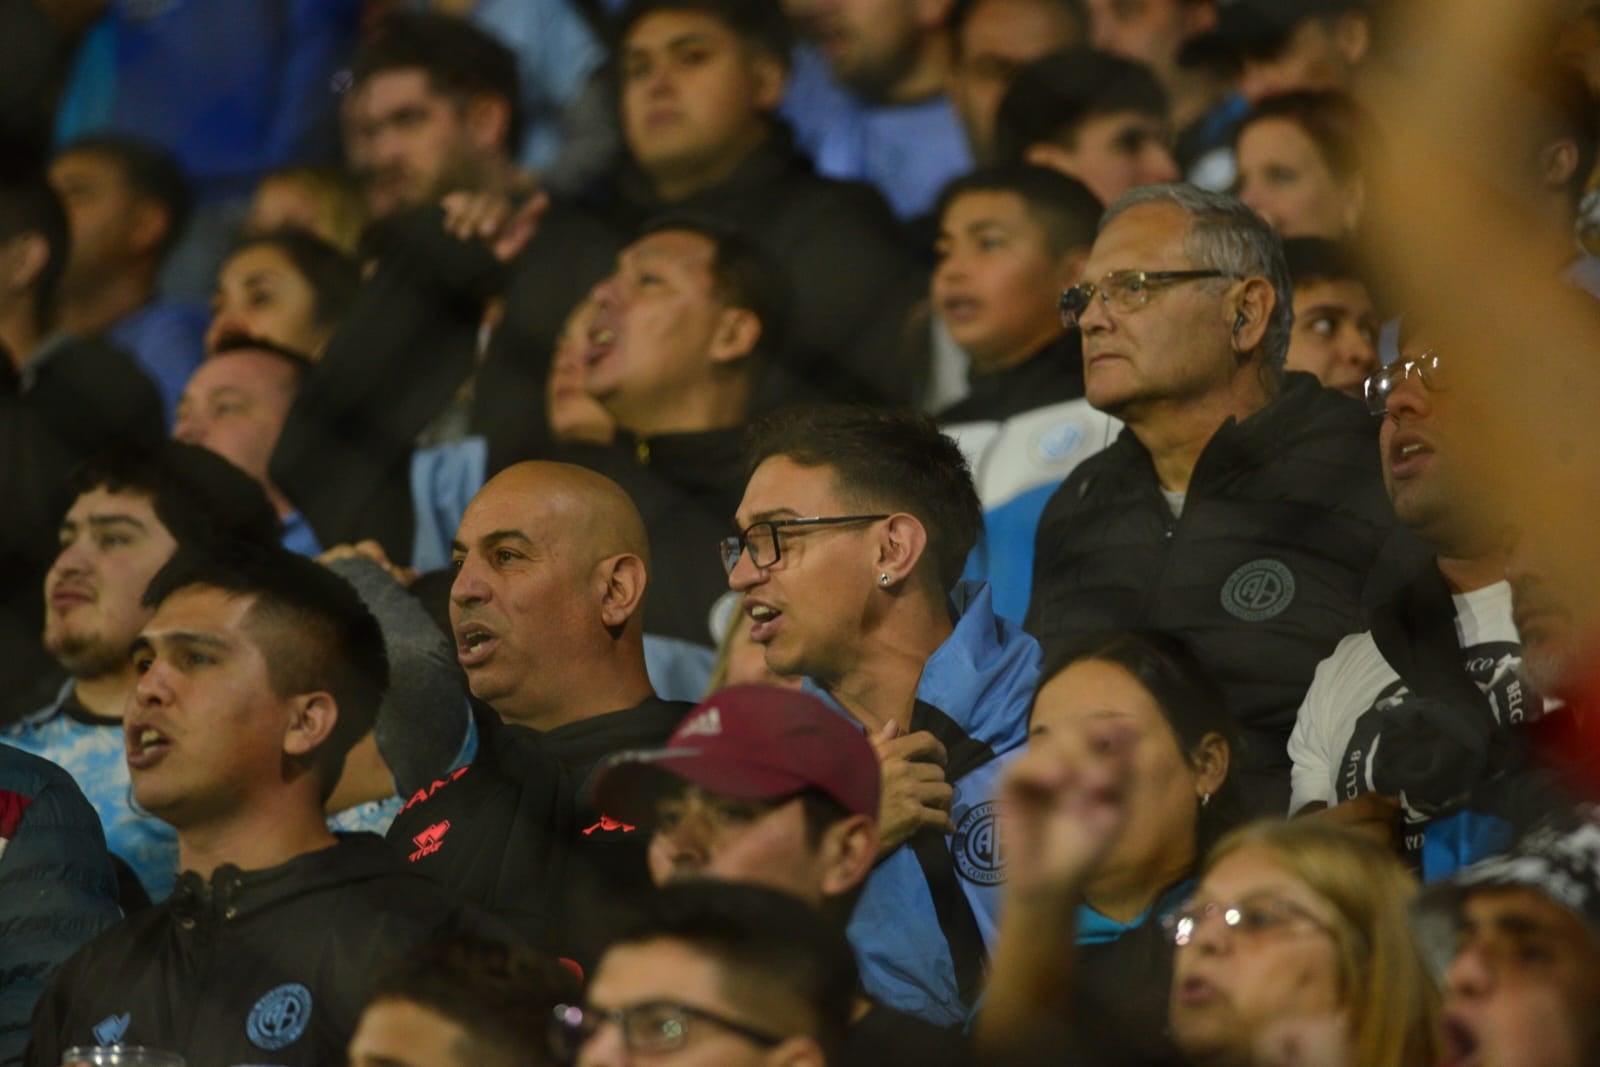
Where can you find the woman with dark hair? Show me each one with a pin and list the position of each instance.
(1301, 157)
(288, 287)
(1135, 716)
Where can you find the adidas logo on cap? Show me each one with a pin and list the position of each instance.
(707, 724)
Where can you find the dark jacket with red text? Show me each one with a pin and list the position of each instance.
(515, 834)
(250, 966)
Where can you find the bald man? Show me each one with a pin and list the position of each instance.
(552, 567)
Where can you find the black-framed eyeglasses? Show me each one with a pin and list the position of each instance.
(648, 1027)
(760, 539)
(1250, 918)
(1126, 290)
(1383, 381)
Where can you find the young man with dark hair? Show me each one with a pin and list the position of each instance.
(257, 672)
(1091, 115)
(733, 974)
(871, 100)
(853, 532)
(462, 1001)
(772, 787)
(994, 40)
(436, 108)
(1335, 320)
(680, 337)
(129, 512)
(1010, 240)
(1283, 45)
(705, 139)
(127, 202)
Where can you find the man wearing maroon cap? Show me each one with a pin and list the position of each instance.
(772, 787)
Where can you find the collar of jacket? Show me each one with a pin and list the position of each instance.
(771, 161)
(231, 893)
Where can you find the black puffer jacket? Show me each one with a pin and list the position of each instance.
(1262, 573)
(250, 966)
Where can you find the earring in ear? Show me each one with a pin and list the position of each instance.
(1205, 798)
(1238, 322)
(883, 580)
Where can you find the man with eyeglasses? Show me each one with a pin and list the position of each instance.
(853, 532)
(1409, 716)
(1518, 941)
(1242, 507)
(720, 975)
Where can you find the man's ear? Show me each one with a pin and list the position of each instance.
(796, 1052)
(933, 14)
(1051, 155)
(900, 548)
(622, 580)
(771, 79)
(311, 722)
(1069, 266)
(735, 336)
(1210, 760)
(149, 225)
(487, 118)
(1248, 312)
(1352, 36)
(849, 848)
(22, 259)
(1557, 162)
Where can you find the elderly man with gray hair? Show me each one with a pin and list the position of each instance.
(1243, 506)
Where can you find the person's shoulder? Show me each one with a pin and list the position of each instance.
(27, 774)
(1308, 410)
(887, 1035)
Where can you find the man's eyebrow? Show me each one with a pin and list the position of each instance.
(100, 522)
(182, 639)
(770, 515)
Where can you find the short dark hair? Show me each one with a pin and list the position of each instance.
(152, 172)
(201, 498)
(1340, 127)
(334, 276)
(895, 460)
(1187, 694)
(760, 24)
(776, 953)
(1073, 9)
(1053, 96)
(1319, 259)
(744, 274)
(502, 995)
(29, 205)
(1063, 207)
(460, 60)
(311, 627)
(239, 342)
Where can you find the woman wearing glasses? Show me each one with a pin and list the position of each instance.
(1124, 786)
(1297, 948)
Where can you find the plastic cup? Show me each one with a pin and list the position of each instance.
(120, 1056)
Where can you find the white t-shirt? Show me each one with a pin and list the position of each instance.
(1353, 688)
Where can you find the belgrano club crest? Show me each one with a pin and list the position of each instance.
(976, 846)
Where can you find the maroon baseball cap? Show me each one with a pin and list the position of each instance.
(753, 742)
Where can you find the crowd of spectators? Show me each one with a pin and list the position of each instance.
(790, 533)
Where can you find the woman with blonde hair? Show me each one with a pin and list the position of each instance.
(1297, 947)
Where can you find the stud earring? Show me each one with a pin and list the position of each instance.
(883, 580)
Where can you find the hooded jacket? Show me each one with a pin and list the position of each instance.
(974, 696)
(1263, 570)
(248, 966)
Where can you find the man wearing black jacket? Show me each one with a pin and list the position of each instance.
(700, 82)
(1242, 508)
(257, 674)
(551, 568)
(680, 334)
